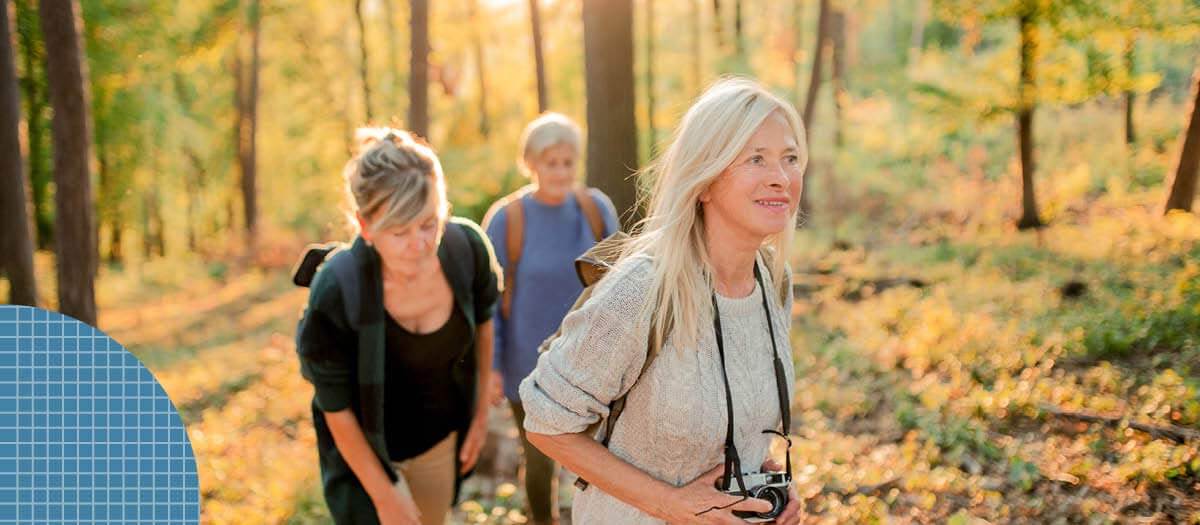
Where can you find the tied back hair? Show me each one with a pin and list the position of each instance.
(393, 179)
(708, 139)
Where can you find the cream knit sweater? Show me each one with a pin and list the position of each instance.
(673, 425)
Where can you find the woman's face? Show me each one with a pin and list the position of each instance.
(758, 193)
(406, 246)
(554, 171)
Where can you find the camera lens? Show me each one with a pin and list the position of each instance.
(773, 495)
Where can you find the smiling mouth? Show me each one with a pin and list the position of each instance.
(772, 204)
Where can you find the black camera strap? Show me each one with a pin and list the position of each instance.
(732, 461)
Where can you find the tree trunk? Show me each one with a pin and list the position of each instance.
(33, 87)
(612, 131)
(1183, 189)
(739, 42)
(116, 249)
(718, 28)
(814, 85)
(917, 40)
(16, 241)
(539, 60)
(418, 77)
(248, 131)
(1130, 96)
(109, 207)
(697, 47)
(364, 65)
(389, 11)
(477, 38)
(797, 33)
(1027, 103)
(651, 131)
(818, 55)
(75, 243)
(837, 32)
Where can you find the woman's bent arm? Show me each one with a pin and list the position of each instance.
(604, 470)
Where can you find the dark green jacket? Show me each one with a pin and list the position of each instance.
(345, 360)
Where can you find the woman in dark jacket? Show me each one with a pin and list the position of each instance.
(397, 341)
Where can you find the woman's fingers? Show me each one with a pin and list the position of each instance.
(751, 504)
(790, 514)
(470, 449)
(771, 465)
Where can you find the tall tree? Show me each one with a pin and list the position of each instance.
(247, 98)
(1130, 96)
(739, 40)
(837, 37)
(1027, 21)
(718, 27)
(814, 85)
(477, 38)
(393, 73)
(794, 48)
(917, 39)
(37, 119)
(75, 239)
(539, 60)
(364, 63)
(418, 77)
(612, 131)
(814, 79)
(16, 243)
(653, 134)
(1183, 189)
(697, 8)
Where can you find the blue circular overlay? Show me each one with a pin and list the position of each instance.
(86, 433)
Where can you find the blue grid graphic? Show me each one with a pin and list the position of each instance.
(86, 433)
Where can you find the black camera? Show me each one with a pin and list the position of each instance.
(771, 487)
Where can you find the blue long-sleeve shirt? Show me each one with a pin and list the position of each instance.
(546, 283)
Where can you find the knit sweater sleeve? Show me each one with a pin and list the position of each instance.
(596, 359)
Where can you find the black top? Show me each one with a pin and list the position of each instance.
(341, 344)
(421, 404)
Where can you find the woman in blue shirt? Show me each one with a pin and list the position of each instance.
(538, 231)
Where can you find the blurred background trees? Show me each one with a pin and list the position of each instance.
(180, 170)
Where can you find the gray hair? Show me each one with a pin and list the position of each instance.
(394, 178)
(549, 130)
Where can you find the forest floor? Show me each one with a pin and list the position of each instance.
(952, 370)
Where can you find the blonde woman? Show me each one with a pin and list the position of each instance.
(396, 340)
(538, 232)
(709, 266)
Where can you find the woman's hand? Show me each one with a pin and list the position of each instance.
(473, 443)
(689, 503)
(794, 510)
(396, 507)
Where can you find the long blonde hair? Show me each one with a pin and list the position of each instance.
(708, 139)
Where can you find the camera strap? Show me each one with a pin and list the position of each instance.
(733, 466)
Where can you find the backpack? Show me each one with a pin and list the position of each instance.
(591, 267)
(514, 213)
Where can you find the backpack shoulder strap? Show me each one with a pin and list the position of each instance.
(591, 212)
(514, 216)
(457, 242)
(345, 270)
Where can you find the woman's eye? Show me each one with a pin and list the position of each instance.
(756, 160)
(792, 159)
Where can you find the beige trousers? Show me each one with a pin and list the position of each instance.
(429, 479)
